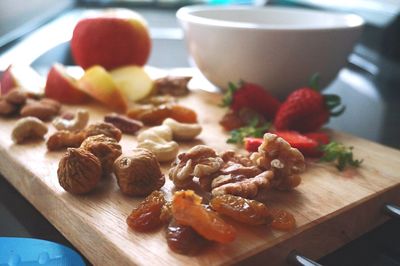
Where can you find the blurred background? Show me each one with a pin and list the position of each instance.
(37, 32)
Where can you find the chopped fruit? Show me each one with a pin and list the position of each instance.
(306, 109)
(335, 151)
(63, 87)
(307, 146)
(282, 220)
(116, 38)
(146, 216)
(133, 82)
(155, 115)
(187, 210)
(252, 144)
(253, 96)
(99, 84)
(23, 77)
(184, 240)
(183, 114)
(253, 129)
(240, 209)
(320, 137)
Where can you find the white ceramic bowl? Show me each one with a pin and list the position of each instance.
(277, 47)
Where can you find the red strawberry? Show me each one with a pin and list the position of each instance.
(321, 137)
(306, 110)
(253, 96)
(307, 146)
(252, 144)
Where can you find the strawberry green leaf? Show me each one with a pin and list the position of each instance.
(228, 96)
(338, 152)
(333, 102)
(314, 82)
(253, 129)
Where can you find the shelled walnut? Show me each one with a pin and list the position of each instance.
(286, 162)
(200, 161)
(106, 149)
(246, 188)
(138, 173)
(79, 171)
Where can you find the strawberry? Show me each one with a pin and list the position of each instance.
(306, 110)
(252, 144)
(252, 96)
(321, 137)
(307, 146)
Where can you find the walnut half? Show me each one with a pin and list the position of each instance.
(286, 162)
(200, 161)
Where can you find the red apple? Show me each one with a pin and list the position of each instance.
(99, 84)
(116, 38)
(23, 77)
(63, 87)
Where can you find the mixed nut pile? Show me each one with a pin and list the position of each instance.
(229, 182)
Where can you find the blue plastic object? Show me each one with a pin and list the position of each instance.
(15, 251)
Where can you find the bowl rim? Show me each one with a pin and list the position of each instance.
(185, 14)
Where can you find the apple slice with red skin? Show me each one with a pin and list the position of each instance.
(99, 84)
(115, 38)
(63, 87)
(23, 77)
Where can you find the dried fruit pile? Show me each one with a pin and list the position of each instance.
(253, 111)
(192, 225)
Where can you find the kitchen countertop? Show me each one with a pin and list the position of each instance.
(369, 91)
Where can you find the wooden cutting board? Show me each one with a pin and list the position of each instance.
(331, 208)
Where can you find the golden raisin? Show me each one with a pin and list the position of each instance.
(146, 216)
(282, 220)
(183, 239)
(183, 114)
(243, 210)
(187, 210)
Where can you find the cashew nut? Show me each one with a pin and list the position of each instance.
(156, 133)
(28, 127)
(79, 122)
(182, 131)
(163, 150)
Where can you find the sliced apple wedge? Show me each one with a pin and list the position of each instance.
(133, 81)
(99, 84)
(63, 87)
(24, 77)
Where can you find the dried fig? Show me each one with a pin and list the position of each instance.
(105, 148)
(138, 173)
(79, 171)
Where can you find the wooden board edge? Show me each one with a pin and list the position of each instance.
(324, 237)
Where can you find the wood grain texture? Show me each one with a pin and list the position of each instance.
(331, 208)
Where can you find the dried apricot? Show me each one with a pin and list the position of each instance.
(243, 210)
(183, 114)
(146, 216)
(183, 239)
(187, 210)
(282, 220)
